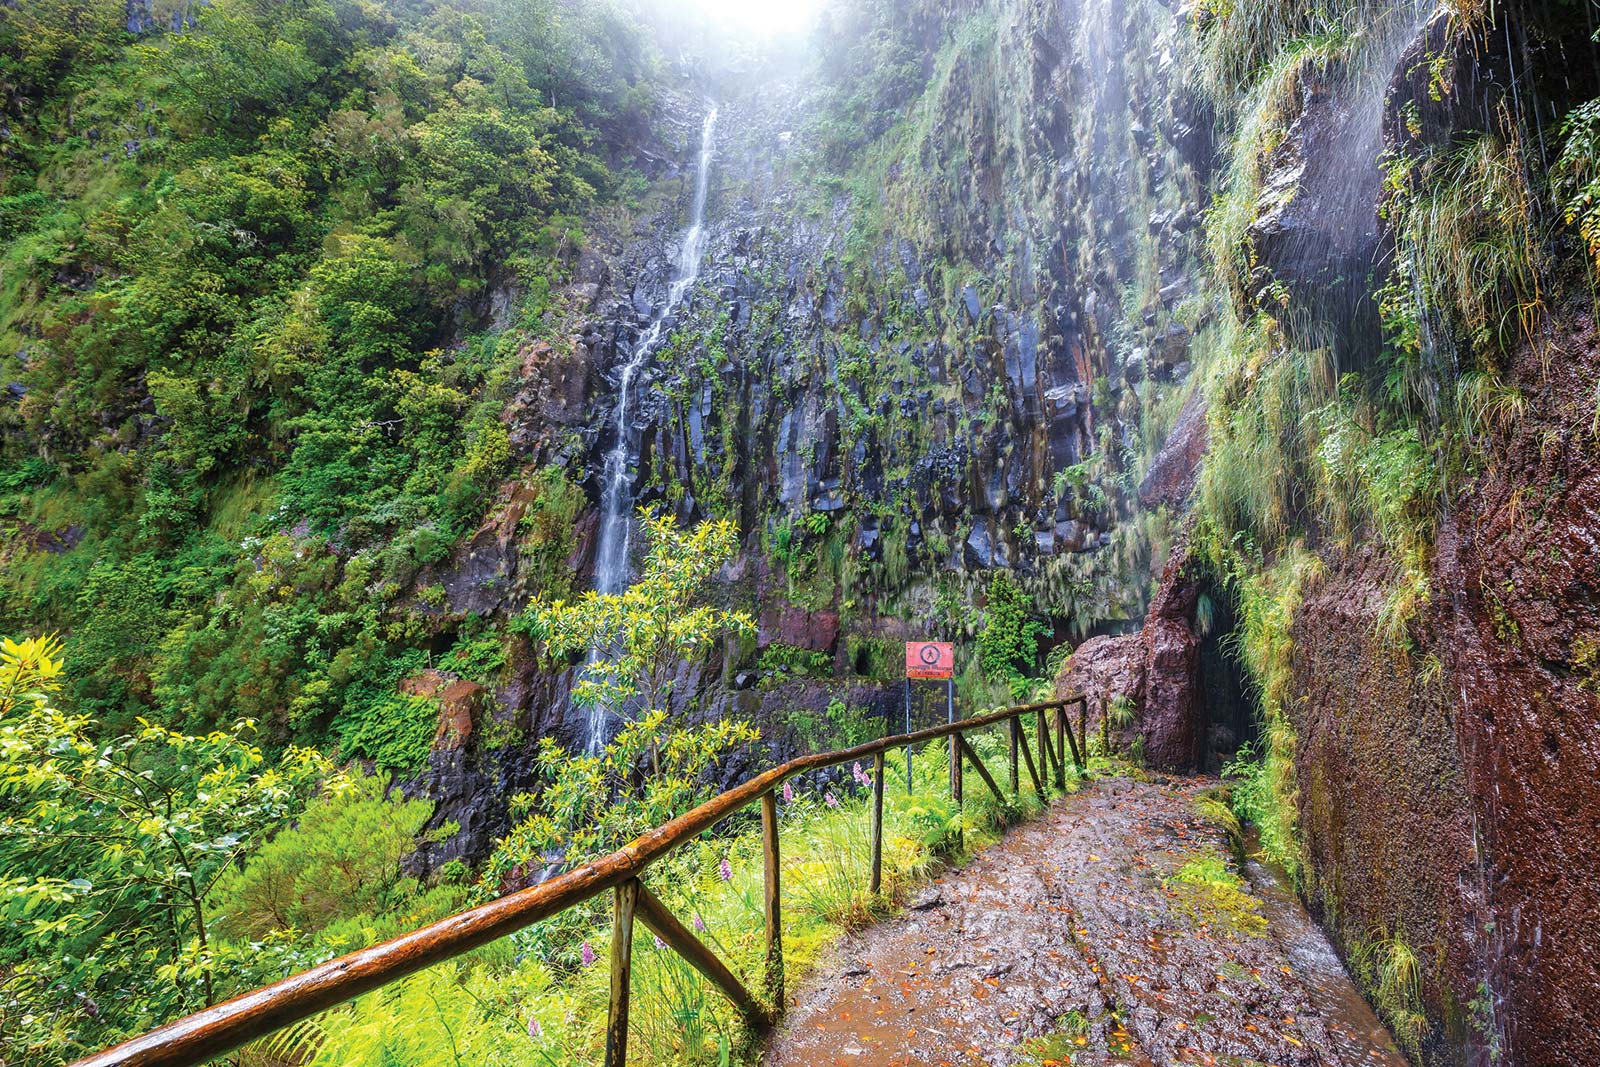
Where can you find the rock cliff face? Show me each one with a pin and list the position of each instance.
(941, 329)
(944, 363)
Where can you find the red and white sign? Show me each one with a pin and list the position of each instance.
(930, 659)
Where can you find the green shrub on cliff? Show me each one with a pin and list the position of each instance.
(1008, 644)
(1576, 175)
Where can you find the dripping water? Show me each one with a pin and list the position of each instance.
(616, 492)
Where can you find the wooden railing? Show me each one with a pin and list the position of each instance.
(222, 1028)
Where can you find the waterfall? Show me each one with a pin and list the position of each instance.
(616, 484)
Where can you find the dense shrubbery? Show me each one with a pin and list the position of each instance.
(1008, 644)
(155, 873)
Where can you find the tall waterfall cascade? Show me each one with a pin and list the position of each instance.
(616, 498)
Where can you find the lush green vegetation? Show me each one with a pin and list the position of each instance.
(123, 898)
(255, 385)
(225, 869)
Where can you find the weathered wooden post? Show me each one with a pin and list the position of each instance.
(625, 899)
(955, 783)
(769, 853)
(1061, 747)
(1074, 744)
(675, 936)
(1083, 729)
(876, 885)
(983, 772)
(1027, 755)
(1044, 750)
(1015, 730)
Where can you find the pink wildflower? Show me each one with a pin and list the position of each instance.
(788, 793)
(725, 869)
(831, 800)
(699, 923)
(588, 955)
(534, 1029)
(659, 943)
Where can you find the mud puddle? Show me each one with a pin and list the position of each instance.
(1107, 931)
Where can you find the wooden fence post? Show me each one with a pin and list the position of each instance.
(624, 900)
(983, 772)
(1061, 747)
(769, 852)
(876, 885)
(1074, 744)
(1016, 730)
(1083, 729)
(1033, 772)
(955, 785)
(666, 926)
(1044, 749)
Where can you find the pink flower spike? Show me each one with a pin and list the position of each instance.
(660, 944)
(725, 869)
(699, 923)
(831, 800)
(859, 774)
(534, 1029)
(588, 955)
(788, 793)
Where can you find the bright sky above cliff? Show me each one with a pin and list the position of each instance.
(759, 16)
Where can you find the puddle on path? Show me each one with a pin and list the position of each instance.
(1075, 930)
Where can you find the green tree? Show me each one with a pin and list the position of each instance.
(110, 849)
(653, 627)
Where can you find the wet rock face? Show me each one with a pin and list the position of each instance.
(922, 384)
(1172, 477)
(1449, 795)
(1519, 641)
(1385, 815)
(1156, 668)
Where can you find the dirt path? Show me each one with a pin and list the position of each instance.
(1075, 941)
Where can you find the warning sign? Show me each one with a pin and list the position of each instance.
(930, 659)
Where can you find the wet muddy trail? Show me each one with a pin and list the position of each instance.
(1109, 930)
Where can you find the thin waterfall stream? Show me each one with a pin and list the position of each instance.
(616, 495)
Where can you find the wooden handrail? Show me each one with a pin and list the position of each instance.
(213, 1031)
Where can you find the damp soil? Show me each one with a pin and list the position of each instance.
(1074, 940)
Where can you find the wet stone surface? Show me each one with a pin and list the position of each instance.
(1073, 941)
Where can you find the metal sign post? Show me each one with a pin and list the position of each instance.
(930, 659)
(908, 730)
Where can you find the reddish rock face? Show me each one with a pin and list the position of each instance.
(1520, 639)
(817, 631)
(1172, 476)
(1103, 668)
(1451, 795)
(1156, 668)
(458, 700)
(1384, 816)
